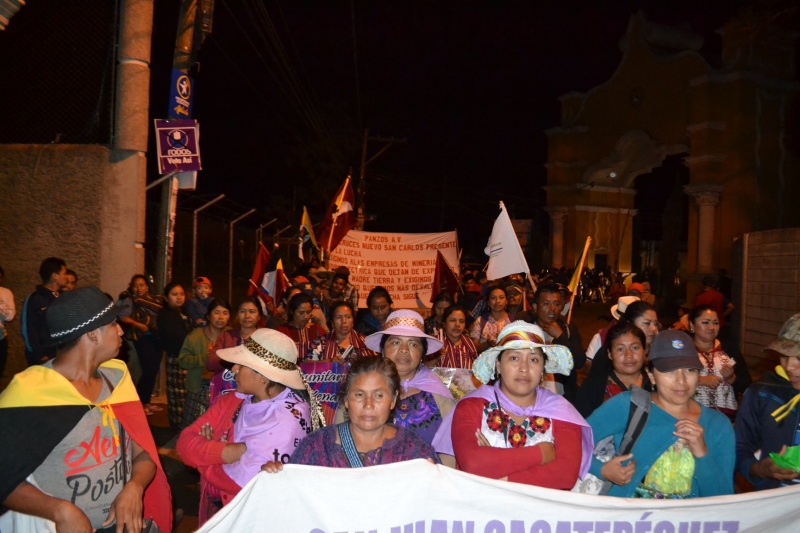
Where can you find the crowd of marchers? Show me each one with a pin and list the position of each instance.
(662, 413)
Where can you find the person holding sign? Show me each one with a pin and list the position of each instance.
(424, 400)
(512, 428)
(370, 392)
(272, 409)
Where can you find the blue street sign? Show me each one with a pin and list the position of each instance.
(180, 95)
(178, 147)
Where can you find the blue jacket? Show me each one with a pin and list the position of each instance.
(713, 473)
(757, 430)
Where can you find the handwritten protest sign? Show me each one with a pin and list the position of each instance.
(403, 263)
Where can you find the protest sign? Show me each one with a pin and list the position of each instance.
(419, 497)
(403, 263)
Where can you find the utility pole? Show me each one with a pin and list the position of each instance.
(361, 192)
(187, 42)
(181, 60)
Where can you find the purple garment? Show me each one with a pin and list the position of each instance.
(320, 449)
(270, 429)
(420, 414)
(426, 380)
(548, 405)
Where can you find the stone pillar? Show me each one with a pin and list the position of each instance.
(133, 76)
(557, 218)
(707, 198)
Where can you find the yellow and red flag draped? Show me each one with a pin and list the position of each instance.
(40, 407)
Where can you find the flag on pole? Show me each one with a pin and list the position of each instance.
(306, 234)
(339, 218)
(276, 282)
(259, 269)
(444, 279)
(505, 253)
(576, 277)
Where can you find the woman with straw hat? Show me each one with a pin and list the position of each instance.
(272, 409)
(512, 428)
(424, 399)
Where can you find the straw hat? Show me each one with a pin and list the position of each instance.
(270, 353)
(404, 323)
(516, 336)
(622, 304)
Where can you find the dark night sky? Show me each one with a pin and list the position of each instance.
(471, 86)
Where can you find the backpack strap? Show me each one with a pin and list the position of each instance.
(637, 418)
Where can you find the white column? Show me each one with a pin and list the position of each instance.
(707, 198)
(557, 217)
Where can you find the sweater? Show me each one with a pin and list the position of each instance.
(713, 473)
(320, 449)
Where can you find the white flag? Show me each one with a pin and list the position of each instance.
(504, 251)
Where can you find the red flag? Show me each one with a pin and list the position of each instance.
(259, 269)
(443, 278)
(339, 218)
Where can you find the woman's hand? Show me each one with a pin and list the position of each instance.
(767, 468)
(727, 372)
(712, 382)
(142, 327)
(273, 467)
(692, 435)
(233, 452)
(207, 431)
(617, 473)
(482, 441)
(548, 452)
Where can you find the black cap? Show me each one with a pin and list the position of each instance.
(671, 350)
(77, 312)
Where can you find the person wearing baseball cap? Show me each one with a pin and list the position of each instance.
(197, 306)
(685, 450)
(51, 410)
(769, 416)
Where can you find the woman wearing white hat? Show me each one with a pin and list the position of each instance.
(261, 422)
(512, 428)
(424, 400)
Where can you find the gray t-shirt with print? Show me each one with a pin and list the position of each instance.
(86, 466)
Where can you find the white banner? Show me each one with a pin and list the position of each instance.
(403, 263)
(419, 497)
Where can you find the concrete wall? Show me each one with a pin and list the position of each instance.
(83, 203)
(768, 267)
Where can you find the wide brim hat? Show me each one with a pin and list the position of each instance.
(77, 312)
(788, 341)
(404, 323)
(673, 349)
(519, 335)
(270, 353)
(622, 304)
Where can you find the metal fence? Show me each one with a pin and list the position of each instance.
(57, 66)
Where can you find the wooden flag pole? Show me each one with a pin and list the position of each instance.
(580, 268)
